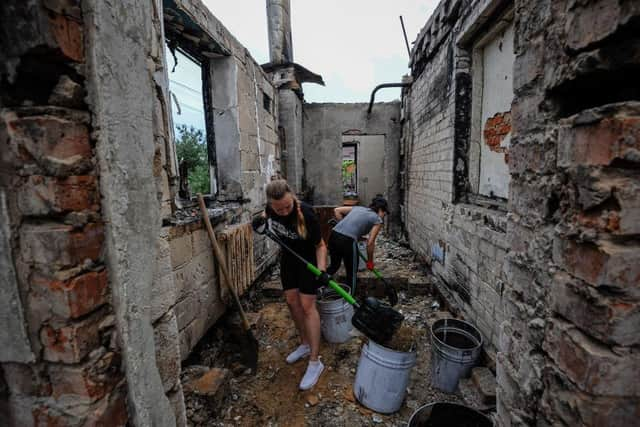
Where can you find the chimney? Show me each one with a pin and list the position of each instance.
(279, 20)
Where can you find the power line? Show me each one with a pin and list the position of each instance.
(185, 86)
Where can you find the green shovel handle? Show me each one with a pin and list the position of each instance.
(335, 286)
(374, 271)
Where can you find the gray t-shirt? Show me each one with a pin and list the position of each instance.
(358, 222)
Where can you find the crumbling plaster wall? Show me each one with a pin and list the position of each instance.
(109, 284)
(567, 345)
(323, 128)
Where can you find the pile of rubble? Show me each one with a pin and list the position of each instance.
(219, 391)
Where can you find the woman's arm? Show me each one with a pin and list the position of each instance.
(341, 211)
(321, 255)
(371, 243)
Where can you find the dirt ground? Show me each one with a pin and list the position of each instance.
(272, 398)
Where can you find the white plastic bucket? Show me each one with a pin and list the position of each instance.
(335, 317)
(382, 377)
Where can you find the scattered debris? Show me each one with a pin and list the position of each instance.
(205, 393)
(404, 340)
(272, 398)
(312, 400)
(484, 379)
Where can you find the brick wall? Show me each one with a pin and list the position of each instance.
(569, 346)
(78, 306)
(551, 281)
(66, 367)
(436, 129)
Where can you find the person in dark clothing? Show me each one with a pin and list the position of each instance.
(297, 225)
(355, 222)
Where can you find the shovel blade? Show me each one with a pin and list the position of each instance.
(376, 320)
(249, 345)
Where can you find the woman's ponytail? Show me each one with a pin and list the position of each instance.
(302, 225)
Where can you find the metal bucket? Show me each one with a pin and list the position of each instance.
(455, 347)
(442, 414)
(335, 316)
(382, 377)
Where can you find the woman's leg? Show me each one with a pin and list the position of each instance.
(312, 328)
(297, 313)
(351, 263)
(335, 254)
(311, 323)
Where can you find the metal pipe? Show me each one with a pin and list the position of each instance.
(382, 86)
(404, 32)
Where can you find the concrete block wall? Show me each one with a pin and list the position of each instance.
(247, 149)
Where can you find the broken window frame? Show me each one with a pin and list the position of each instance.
(469, 109)
(176, 42)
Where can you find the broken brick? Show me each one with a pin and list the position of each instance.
(42, 195)
(604, 263)
(593, 367)
(111, 411)
(70, 343)
(89, 381)
(485, 381)
(617, 320)
(496, 128)
(60, 146)
(75, 297)
(600, 143)
(68, 34)
(52, 247)
(212, 387)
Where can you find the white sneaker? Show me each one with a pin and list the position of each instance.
(312, 374)
(303, 350)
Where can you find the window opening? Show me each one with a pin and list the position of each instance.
(350, 171)
(266, 102)
(187, 80)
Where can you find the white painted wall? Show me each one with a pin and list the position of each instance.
(370, 165)
(497, 94)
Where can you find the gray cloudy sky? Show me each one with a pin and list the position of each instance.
(354, 44)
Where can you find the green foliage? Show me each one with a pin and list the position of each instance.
(348, 176)
(192, 148)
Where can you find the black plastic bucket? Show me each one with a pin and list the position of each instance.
(442, 414)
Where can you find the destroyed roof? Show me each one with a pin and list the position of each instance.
(302, 74)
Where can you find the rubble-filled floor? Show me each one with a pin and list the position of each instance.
(219, 390)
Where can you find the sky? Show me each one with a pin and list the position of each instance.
(354, 45)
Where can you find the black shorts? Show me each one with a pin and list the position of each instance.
(294, 275)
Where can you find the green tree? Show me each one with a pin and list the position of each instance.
(192, 148)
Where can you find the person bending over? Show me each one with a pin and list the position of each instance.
(355, 222)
